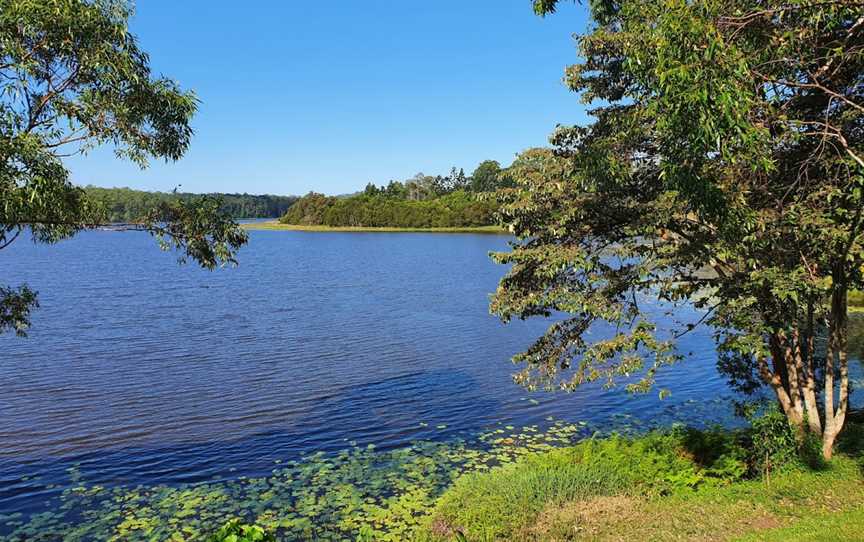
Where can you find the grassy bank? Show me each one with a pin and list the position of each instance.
(678, 486)
(293, 227)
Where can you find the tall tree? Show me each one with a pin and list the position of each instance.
(485, 177)
(72, 77)
(724, 169)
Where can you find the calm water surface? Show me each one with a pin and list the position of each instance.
(138, 371)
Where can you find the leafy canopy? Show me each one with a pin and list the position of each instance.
(72, 77)
(724, 169)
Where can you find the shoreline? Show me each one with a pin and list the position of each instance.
(277, 226)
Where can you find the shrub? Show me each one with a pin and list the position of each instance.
(234, 531)
(773, 445)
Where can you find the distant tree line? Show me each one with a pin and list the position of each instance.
(423, 201)
(127, 205)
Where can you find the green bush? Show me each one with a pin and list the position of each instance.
(773, 445)
(234, 531)
(454, 209)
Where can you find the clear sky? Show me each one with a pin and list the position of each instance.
(327, 96)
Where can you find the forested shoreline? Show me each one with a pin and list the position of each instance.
(423, 201)
(128, 205)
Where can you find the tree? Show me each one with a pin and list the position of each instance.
(124, 205)
(371, 189)
(485, 177)
(71, 78)
(456, 180)
(395, 189)
(724, 169)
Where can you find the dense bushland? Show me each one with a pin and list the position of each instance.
(127, 205)
(451, 210)
(420, 202)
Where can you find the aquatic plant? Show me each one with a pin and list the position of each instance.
(361, 491)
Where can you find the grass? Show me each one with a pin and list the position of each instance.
(679, 486)
(847, 526)
(294, 227)
(747, 510)
(488, 506)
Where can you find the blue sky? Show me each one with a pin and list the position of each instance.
(327, 96)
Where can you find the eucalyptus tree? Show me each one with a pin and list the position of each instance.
(72, 77)
(485, 177)
(724, 168)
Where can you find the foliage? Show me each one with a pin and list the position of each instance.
(15, 307)
(234, 531)
(454, 209)
(127, 205)
(72, 77)
(278, 226)
(724, 169)
(423, 201)
(773, 444)
(489, 177)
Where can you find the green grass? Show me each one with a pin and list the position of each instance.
(293, 227)
(847, 526)
(677, 486)
(489, 506)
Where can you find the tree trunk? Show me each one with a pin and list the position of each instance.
(791, 374)
(806, 361)
(836, 361)
(777, 377)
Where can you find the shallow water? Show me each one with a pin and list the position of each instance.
(139, 371)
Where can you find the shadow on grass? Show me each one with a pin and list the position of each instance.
(851, 440)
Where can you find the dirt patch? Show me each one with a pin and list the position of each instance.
(582, 519)
(441, 528)
(765, 522)
(630, 518)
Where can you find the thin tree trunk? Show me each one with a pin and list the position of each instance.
(773, 379)
(808, 373)
(794, 378)
(837, 347)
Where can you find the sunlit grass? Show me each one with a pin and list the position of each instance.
(633, 491)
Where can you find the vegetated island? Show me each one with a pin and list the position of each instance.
(455, 203)
(278, 226)
(128, 205)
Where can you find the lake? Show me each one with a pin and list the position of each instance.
(140, 372)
